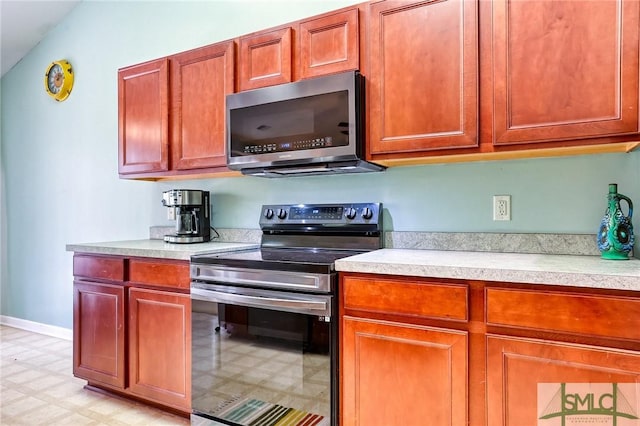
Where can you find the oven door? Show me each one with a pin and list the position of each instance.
(262, 357)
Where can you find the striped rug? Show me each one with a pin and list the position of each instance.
(253, 412)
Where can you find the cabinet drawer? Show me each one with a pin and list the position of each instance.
(163, 274)
(98, 267)
(413, 298)
(607, 316)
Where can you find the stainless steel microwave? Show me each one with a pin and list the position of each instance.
(309, 127)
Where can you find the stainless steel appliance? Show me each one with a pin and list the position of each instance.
(264, 328)
(190, 210)
(310, 127)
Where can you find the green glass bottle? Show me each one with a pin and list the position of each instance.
(615, 237)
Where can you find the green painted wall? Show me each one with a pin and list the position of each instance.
(59, 181)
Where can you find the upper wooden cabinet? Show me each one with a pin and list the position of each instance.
(423, 79)
(200, 80)
(143, 117)
(265, 59)
(172, 112)
(564, 70)
(446, 80)
(321, 45)
(329, 44)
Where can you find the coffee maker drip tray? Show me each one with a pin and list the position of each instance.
(184, 239)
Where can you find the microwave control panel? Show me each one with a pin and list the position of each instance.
(297, 145)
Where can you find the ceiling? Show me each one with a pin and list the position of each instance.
(24, 23)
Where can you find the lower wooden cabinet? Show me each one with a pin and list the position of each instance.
(132, 328)
(400, 374)
(394, 369)
(159, 346)
(524, 379)
(99, 332)
(426, 351)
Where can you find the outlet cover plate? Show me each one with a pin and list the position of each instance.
(502, 207)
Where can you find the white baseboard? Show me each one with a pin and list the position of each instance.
(36, 327)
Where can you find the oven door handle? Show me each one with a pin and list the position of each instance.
(303, 306)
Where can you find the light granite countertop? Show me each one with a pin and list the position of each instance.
(157, 248)
(553, 269)
(570, 270)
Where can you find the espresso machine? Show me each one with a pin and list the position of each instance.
(190, 209)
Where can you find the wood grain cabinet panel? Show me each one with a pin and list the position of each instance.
(406, 297)
(589, 315)
(133, 340)
(200, 80)
(423, 81)
(265, 59)
(329, 44)
(396, 374)
(99, 333)
(564, 69)
(518, 369)
(98, 267)
(160, 346)
(143, 117)
(160, 273)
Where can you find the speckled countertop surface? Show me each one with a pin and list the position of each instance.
(571, 270)
(554, 269)
(156, 248)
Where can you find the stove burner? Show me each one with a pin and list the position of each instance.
(283, 259)
(302, 238)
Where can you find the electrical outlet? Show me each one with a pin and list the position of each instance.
(502, 207)
(171, 213)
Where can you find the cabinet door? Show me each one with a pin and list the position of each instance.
(523, 375)
(423, 84)
(98, 333)
(329, 44)
(200, 80)
(265, 59)
(160, 346)
(395, 374)
(564, 69)
(143, 117)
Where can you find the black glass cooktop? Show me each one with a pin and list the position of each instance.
(282, 259)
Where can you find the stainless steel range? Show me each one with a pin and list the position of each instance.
(264, 328)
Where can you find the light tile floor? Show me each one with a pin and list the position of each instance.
(37, 387)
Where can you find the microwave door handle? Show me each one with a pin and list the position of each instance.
(274, 303)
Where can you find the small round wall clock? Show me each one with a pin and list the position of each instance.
(58, 80)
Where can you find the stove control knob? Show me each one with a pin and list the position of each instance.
(268, 214)
(282, 213)
(367, 213)
(350, 213)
